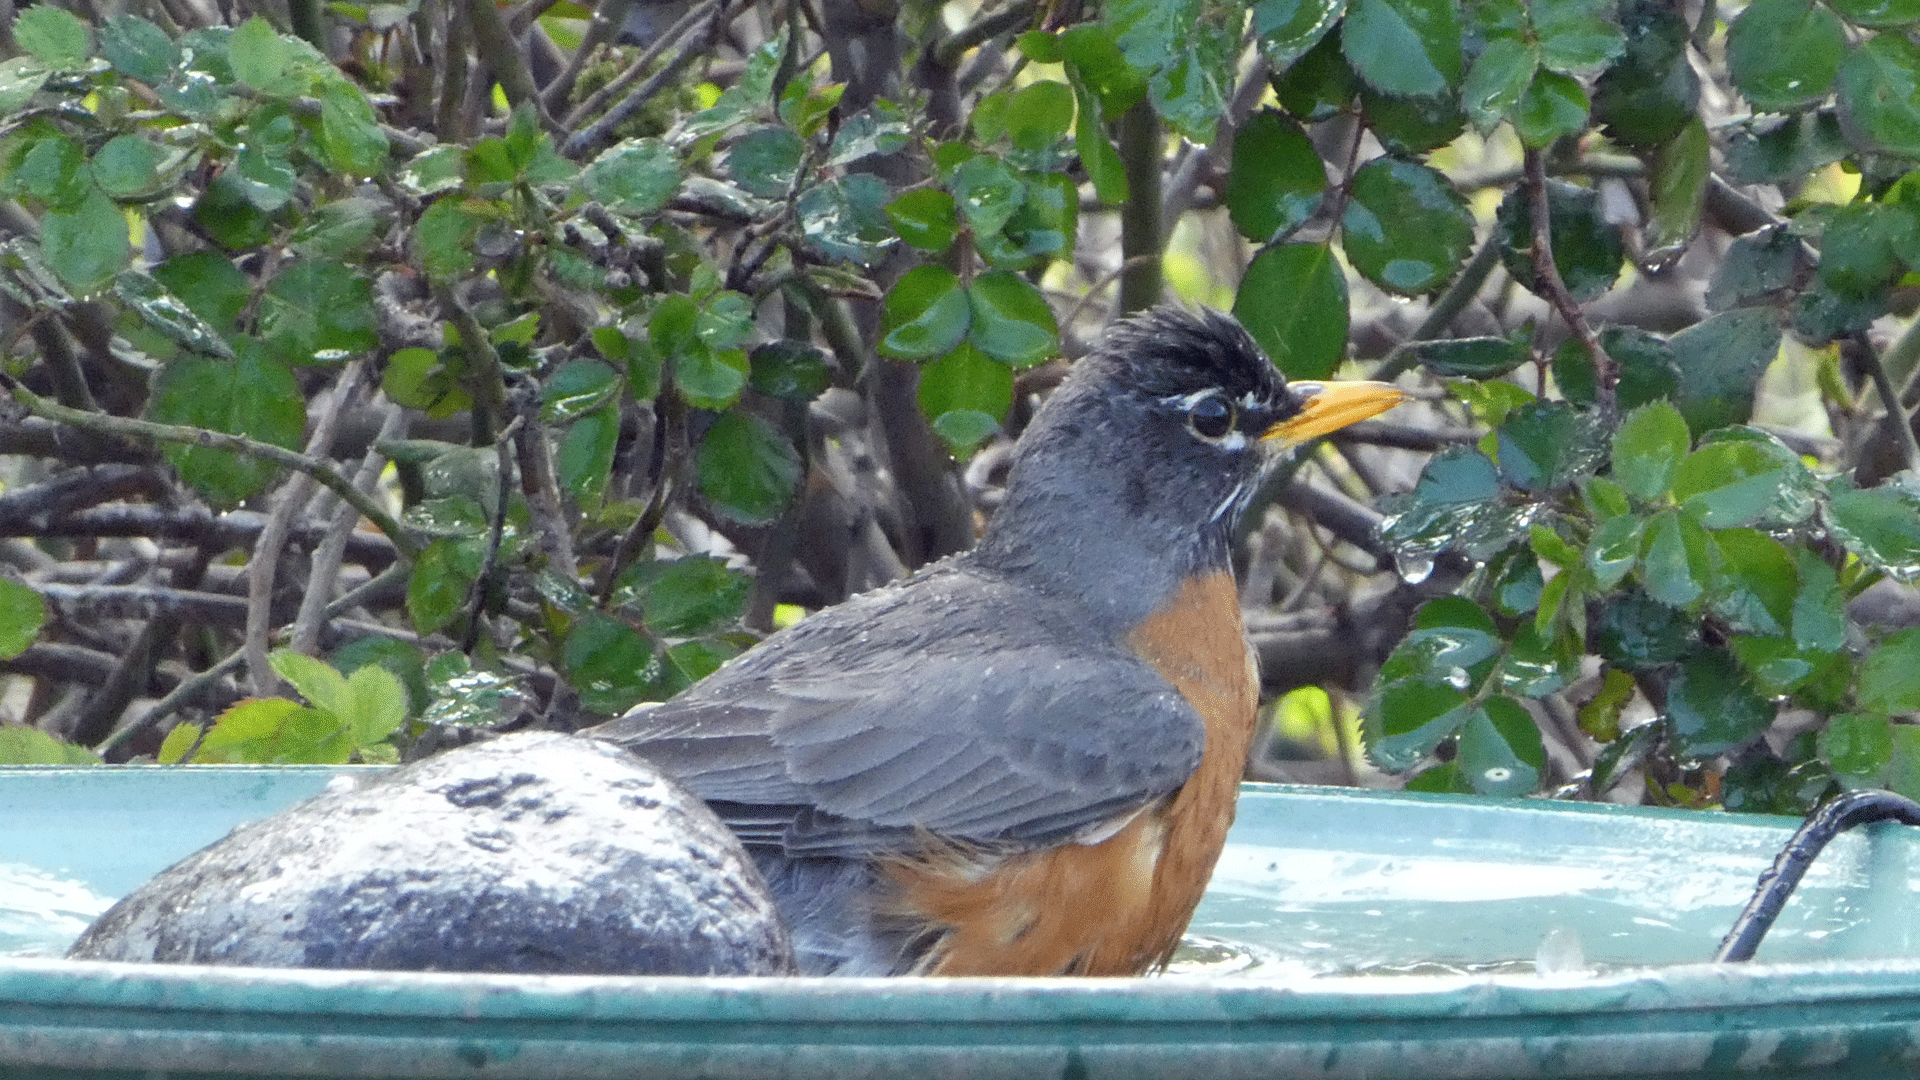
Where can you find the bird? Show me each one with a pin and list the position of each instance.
(1023, 759)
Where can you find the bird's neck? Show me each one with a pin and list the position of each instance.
(1119, 567)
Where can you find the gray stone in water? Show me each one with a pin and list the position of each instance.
(531, 853)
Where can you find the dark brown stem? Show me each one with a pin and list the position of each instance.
(1606, 373)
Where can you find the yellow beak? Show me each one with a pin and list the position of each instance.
(1331, 406)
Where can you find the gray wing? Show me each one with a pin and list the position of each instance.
(1001, 728)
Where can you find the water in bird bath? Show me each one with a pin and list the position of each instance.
(1313, 882)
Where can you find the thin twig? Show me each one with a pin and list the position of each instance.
(327, 558)
(321, 471)
(1444, 310)
(1606, 373)
(1867, 355)
(599, 98)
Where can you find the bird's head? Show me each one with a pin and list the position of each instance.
(1164, 431)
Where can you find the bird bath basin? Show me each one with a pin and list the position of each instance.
(1345, 934)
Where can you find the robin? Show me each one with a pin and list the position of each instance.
(1023, 759)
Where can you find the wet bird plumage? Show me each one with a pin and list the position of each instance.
(1023, 759)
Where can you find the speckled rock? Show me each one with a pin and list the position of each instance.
(529, 853)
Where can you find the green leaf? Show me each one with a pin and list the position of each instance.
(1819, 607)
(209, 284)
(1277, 178)
(167, 313)
(1545, 446)
(610, 665)
(584, 458)
(1286, 29)
(881, 129)
(1647, 370)
(1500, 749)
(31, 746)
(318, 311)
(1410, 48)
(275, 731)
(88, 244)
(576, 388)
(1472, 358)
(1779, 668)
(1587, 249)
(275, 66)
(1405, 228)
(1553, 107)
(1680, 171)
(1188, 47)
(1679, 561)
(1614, 549)
(710, 378)
(1500, 75)
(1784, 54)
(1859, 252)
(316, 680)
(1293, 300)
(1755, 589)
(53, 169)
(1637, 633)
(846, 218)
(416, 379)
(1577, 35)
(376, 705)
(790, 370)
(439, 584)
(1647, 448)
(694, 595)
(765, 160)
(1758, 266)
(1036, 116)
(1776, 149)
(1457, 503)
(1097, 155)
(350, 137)
(1880, 525)
(926, 314)
(1452, 640)
(1042, 227)
(1721, 360)
(252, 396)
(54, 36)
(1011, 321)
(22, 613)
(129, 167)
(138, 49)
(1890, 674)
(1741, 476)
(1859, 746)
(1879, 14)
(987, 192)
(926, 218)
(1880, 94)
(1319, 84)
(633, 176)
(1713, 707)
(746, 469)
(1408, 718)
(20, 79)
(966, 380)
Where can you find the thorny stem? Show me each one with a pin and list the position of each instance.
(1606, 373)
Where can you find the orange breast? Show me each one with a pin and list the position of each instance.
(1117, 907)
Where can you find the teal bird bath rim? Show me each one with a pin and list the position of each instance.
(1346, 933)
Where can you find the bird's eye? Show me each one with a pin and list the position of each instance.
(1211, 417)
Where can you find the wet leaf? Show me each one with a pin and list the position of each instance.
(1775, 149)
(1880, 525)
(1577, 35)
(765, 160)
(1405, 227)
(1411, 48)
(846, 218)
(881, 129)
(927, 313)
(350, 139)
(88, 244)
(1859, 252)
(138, 49)
(634, 176)
(1412, 126)
(1452, 640)
(1859, 746)
(1819, 606)
(966, 380)
(1648, 447)
(1407, 719)
(1758, 266)
(1548, 445)
(1784, 54)
(1499, 76)
(926, 218)
(1293, 300)
(1638, 633)
(1536, 666)
(1011, 321)
(1319, 84)
(584, 458)
(746, 469)
(318, 310)
(1472, 358)
(1879, 14)
(1553, 107)
(1587, 249)
(1678, 564)
(1755, 589)
(1277, 177)
(1713, 707)
(54, 36)
(1740, 476)
(439, 584)
(790, 370)
(168, 314)
(275, 66)
(1500, 749)
(1614, 549)
(251, 396)
(1890, 674)
(611, 666)
(693, 595)
(1680, 171)
(1880, 94)
(1721, 360)
(1286, 29)
(987, 192)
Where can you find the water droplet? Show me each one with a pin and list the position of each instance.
(1499, 774)
(1560, 953)
(1413, 569)
(1460, 680)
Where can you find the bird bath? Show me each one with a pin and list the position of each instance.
(1346, 933)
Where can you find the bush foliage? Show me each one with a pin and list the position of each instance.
(465, 365)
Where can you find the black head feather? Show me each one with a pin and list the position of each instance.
(1172, 350)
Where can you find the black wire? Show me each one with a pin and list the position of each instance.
(1778, 881)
